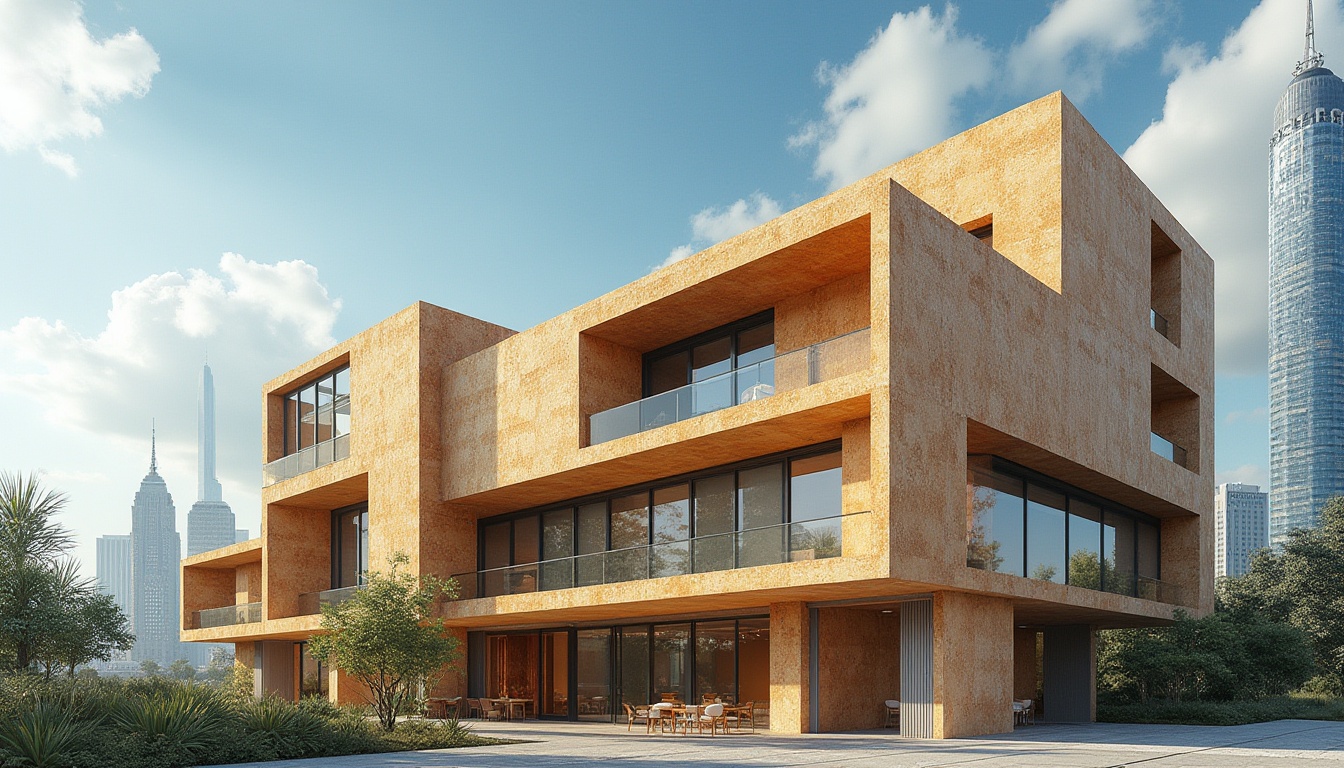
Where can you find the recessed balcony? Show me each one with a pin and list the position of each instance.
(830, 359)
(227, 616)
(1168, 450)
(306, 460)
(310, 603)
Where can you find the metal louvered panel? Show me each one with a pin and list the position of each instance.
(917, 669)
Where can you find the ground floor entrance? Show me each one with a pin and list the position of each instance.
(592, 673)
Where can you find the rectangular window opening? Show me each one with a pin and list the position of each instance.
(1164, 314)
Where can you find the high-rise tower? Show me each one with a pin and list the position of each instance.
(156, 550)
(210, 521)
(1306, 294)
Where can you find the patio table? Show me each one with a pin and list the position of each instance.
(510, 703)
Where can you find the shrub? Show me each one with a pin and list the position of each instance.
(44, 736)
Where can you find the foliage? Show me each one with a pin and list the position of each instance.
(151, 668)
(181, 669)
(1302, 585)
(48, 614)
(1219, 657)
(386, 637)
(1299, 707)
(42, 736)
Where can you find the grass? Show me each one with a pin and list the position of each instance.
(1293, 707)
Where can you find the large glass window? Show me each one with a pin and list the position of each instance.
(777, 511)
(994, 521)
(351, 545)
(594, 674)
(318, 411)
(634, 666)
(707, 359)
(671, 665)
(1069, 534)
(715, 656)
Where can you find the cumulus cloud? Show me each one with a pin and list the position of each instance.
(897, 96)
(54, 76)
(1206, 159)
(252, 319)
(713, 225)
(1071, 47)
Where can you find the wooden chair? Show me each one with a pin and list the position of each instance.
(746, 714)
(671, 697)
(713, 716)
(491, 710)
(474, 708)
(635, 714)
(709, 698)
(661, 714)
(893, 709)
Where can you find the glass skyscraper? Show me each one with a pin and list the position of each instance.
(1306, 295)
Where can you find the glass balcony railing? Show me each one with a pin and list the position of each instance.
(229, 615)
(1158, 590)
(768, 545)
(310, 603)
(823, 361)
(306, 460)
(1168, 450)
(1158, 322)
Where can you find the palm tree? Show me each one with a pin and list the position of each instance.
(31, 545)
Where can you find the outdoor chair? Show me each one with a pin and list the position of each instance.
(474, 708)
(491, 710)
(662, 715)
(709, 698)
(1024, 711)
(743, 714)
(893, 709)
(712, 716)
(633, 715)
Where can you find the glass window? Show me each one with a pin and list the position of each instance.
(496, 545)
(525, 540)
(313, 679)
(1084, 544)
(671, 553)
(307, 416)
(291, 423)
(557, 545)
(753, 664)
(755, 344)
(760, 510)
(671, 661)
(715, 659)
(629, 538)
(318, 412)
(1149, 554)
(713, 546)
(352, 547)
(325, 416)
(594, 674)
(342, 402)
(634, 666)
(994, 522)
(1118, 553)
(1045, 534)
(590, 544)
(668, 373)
(709, 361)
(814, 487)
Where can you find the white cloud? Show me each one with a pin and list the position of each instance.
(1251, 474)
(54, 75)
(1253, 416)
(713, 225)
(1069, 50)
(100, 390)
(1206, 159)
(896, 97)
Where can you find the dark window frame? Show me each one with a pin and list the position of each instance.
(297, 422)
(730, 330)
(336, 515)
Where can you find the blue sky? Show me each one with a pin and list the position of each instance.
(512, 160)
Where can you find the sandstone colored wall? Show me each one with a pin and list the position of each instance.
(972, 665)
(789, 674)
(859, 652)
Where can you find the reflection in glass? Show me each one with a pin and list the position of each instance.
(313, 677)
(594, 674)
(1118, 549)
(715, 654)
(994, 521)
(671, 660)
(342, 402)
(634, 666)
(1045, 534)
(753, 666)
(557, 541)
(709, 361)
(713, 515)
(760, 503)
(352, 534)
(591, 541)
(668, 373)
(670, 555)
(814, 487)
(629, 535)
(555, 673)
(1084, 544)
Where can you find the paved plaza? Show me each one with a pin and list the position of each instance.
(1278, 744)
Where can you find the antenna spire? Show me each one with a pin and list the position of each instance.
(1311, 58)
(153, 450)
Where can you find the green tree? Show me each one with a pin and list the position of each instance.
(181, 669)
(386, 637)
(32, 543)
(151, 668)
(80, 624)
(1302, 585)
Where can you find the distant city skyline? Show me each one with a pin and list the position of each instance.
(210, 523)
(256, 191)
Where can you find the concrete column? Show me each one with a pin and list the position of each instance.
(972, 665)
(789, 680)
(1069, 672)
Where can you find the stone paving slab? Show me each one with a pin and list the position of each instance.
(1280, 744)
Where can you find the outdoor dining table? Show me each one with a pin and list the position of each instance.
(509, 704)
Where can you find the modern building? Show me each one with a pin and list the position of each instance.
(241, 534)
(1306, 296)
(887, 445)
(113, 566)
(1240, 527)
(210, 520)
(156, 549)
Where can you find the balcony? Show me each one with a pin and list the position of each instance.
(310, 603)
(1168, 450)
(768, 545)
(228, 616)
(1158, 590)
(306, 460)
(820, 362)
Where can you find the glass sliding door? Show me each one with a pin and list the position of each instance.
(671, 661)
(671, 553)
(753, 667)
(760, 512)
(554, 674)
(715, 660)
(713, 545)
(593, 674)
(629, 558)
(511, 669)
(351, 559)
(634, 666)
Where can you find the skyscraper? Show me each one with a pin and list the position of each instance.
(156, 551)
(210, 521)
(1240, 527)
(114, 569)
(1306, 295)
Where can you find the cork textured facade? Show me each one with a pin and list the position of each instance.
(916, 440)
